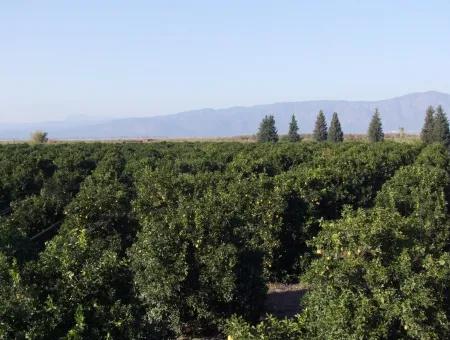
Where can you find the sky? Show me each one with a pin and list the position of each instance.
(102, 59)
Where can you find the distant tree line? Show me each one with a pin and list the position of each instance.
(435, 129)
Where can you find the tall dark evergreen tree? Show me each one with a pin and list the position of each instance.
(293, 135)
(441, 131)
(320, 130)
(375, 132)
(427, 133)
(267, 131)
(335, 133)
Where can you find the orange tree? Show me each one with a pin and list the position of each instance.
(205, 250)
(382, 272)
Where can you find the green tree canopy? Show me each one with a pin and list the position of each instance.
(267, 130)
(441, 131)
(320, 130)
(428, 128)
(335, 133)
(375, 132)
(380, 273)
(293, 135)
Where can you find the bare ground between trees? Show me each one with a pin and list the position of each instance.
(283, 300)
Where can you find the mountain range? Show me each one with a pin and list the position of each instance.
(406, 112)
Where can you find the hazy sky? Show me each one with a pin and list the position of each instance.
(136, 58)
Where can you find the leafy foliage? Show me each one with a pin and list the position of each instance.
(381, 272)
(335, 133)
(158, 240)
(18, 305)
(293, 135)
(39, 137)
(377, 282)
(441, 131)
(209, 249)
(320, 129)
(267, 132)
(270, 329)
(375, 132)
(427, 133)
(86, 262)
(320, 190)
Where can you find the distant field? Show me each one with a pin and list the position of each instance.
(243, 139)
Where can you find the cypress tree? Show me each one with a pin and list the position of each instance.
(293, 135)
(441, 131)
(375, 132)
(320, 130)
(427, 134)
(335, 133)
(267, 131)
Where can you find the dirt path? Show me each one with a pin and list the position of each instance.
(284, 300)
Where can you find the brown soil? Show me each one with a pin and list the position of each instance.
(283, 300)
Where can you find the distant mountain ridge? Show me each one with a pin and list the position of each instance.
(407, 111)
